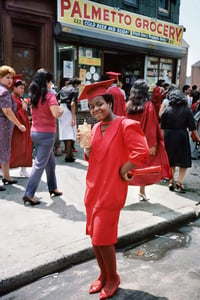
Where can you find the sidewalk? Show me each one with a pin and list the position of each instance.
(36, 241)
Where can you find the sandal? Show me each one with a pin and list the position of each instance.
(142, 197)
(180, 188)
(171, 186)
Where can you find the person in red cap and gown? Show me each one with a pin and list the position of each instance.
(21, 145)
(139, 108)
(117, 146)
(118, 95)
(158, 95)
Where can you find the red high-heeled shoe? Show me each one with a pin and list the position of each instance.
(108, 294)
(96, 286)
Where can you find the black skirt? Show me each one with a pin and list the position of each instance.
(178, 147)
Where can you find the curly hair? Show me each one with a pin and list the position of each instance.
(139, 95)
(176, 97)
(5, 70)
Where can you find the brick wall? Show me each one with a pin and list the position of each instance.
(195, 75)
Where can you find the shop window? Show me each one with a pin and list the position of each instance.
(165, 69)
(89, 62)
(163, 6)
(131, 2)
(158, 68)
(89, 65)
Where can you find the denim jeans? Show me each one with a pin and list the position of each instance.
(44, 160)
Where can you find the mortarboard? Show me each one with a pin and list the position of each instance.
(95, 89)
(16, 78)
(113, 75)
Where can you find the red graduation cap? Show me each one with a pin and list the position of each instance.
(16, 78)
(113, 75)
(95, 89)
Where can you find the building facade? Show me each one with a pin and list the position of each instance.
(138, 38)
(195, 74)
(27, 35)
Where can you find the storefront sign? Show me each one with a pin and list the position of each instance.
(85, 14)
(89, 61)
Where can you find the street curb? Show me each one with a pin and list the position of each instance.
(26, 277)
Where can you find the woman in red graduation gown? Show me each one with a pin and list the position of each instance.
(21, 147)
(117, 146)
(142, 110)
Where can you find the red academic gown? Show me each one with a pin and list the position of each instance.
(21, 146)
(119, 101)
(105, 190)
(151, 128)
(156, 99)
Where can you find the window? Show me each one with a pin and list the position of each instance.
(163, 6)
(89, 60)
(131, 2)
(159, 68)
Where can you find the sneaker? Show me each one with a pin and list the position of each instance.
(24, 173)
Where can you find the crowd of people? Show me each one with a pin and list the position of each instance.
(133, 134)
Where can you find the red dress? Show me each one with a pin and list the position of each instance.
(151, 128)
(119, 100)
(105, 190)
(21, 146)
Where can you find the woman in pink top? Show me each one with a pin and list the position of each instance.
(45, 111)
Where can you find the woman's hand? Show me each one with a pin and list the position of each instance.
(126, 176)
(196, 135)
(152, 151)
(22, 128)
(125, 171)
(87, 151)
(73, 122)
(79, 136)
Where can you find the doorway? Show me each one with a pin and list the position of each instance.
(25, 51)
(129, 64)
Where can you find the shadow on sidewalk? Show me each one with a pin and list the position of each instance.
(128, 294)
(156, 209)
(63, 210)
(56, 204)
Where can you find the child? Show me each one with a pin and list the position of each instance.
(21, 147)
(117, 146)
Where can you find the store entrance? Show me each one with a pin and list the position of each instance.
(112, 62)
(130, 65)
